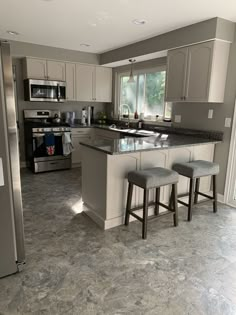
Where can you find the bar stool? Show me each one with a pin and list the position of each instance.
(195, 170)
(148, 179)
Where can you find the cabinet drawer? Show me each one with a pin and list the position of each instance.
(81, 131)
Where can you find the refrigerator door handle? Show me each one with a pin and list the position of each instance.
(1, 173)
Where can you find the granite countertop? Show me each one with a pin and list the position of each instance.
(158, 142)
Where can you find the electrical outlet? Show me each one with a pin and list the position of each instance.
(177, 118)
(210, 114)
(227, 122)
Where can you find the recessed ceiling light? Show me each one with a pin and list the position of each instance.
(139, 22)
(13, 33)
(85, 45)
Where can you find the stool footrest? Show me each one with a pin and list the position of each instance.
(204, 195)
(152, 217)
(183, 203)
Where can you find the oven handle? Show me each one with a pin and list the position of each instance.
(57, 134)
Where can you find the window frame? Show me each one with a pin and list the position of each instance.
(136, 72)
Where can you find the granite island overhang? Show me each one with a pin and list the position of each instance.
(106, 163)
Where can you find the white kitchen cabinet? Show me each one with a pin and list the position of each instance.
(118, 168)
(176, 73)
(94, 83)
(71, 81)
(84, 82)
(103, 84)
(197, 73)
(79, 134)
(181, 155)
(151, 159)
(44, 69)
(56, 70)
(35, 68)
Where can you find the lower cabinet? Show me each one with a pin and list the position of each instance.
(79, 134)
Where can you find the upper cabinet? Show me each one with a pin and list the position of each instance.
(176, 73)
(56, 70)
(71, 81)
(197, 73)
(35, 68)
(44, 69)
(103, 84)
(84, 82)
(94, 83)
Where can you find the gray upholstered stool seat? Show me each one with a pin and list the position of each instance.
(153, 177)
(195, 170)
(149, 179)
(198, 168)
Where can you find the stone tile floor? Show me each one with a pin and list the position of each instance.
(73, 267)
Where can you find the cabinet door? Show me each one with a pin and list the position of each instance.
(103, 84)
(84, 82)
(152, 159)
(176, 74)
(71, 81)
(199, 72)
(181, 155)
(36, 69)
(118, 168)
(56, 70)
(76, 154)
(204, 152)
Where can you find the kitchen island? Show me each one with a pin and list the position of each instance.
(106, 163)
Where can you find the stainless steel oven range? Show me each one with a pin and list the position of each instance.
(44, 141)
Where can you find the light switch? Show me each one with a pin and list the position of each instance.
(210, 113)
(227, 122)
(177, 118)
(1, 174)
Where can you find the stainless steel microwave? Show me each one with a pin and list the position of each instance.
(44, 90)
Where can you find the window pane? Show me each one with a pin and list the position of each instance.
(128, 95)
(141, 94)
(154, 93)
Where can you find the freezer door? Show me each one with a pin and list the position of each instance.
(11, 217)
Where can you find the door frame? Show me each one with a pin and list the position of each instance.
(230, 180)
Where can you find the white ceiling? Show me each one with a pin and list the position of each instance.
(104, 24)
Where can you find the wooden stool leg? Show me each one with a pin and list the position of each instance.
(157, 201)
(191, 196)
(175, 204)
(145, 213)
(170, 205)
(214, 194)
(196, 190)
(128, 205)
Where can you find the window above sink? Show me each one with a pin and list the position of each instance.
(146, 95)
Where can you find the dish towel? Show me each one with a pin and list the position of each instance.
(50, 143)
(67, 143)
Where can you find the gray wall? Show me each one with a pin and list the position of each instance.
(194, 115)
(19, 50)
(202, 31)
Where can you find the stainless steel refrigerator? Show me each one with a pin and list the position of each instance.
(12, 252)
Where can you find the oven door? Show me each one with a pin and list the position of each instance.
(49, 91)
(43, 151)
